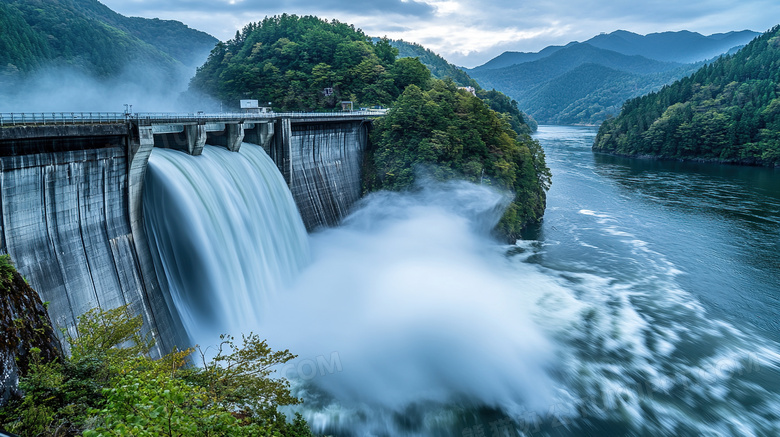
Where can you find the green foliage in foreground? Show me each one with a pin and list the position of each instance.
(729, 111)
(111, 387)
(458, 136)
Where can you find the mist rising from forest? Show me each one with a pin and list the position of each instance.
(68, 89)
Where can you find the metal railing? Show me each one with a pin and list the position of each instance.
(59, 118)
(65, 118)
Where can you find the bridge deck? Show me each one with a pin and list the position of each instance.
(73, 118)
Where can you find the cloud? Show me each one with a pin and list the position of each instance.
(261, 8)
(470, 32)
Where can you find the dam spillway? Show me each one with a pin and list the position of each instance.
(225, 234)
(71, 196)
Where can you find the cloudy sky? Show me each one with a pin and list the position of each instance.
(471, 32)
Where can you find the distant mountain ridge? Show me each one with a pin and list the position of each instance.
(507, 59)
(554, 87)
(88, 36)
(683, 46)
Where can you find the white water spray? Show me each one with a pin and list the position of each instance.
(417, 303)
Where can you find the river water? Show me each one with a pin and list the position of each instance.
(646, 303)
(678, 265)
(715, 227)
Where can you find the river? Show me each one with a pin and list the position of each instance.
(679, 263)
(716, 227)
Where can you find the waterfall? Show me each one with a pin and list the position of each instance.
(225, 235)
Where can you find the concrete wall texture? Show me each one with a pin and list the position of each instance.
(70, 217)
(65, 225)
(325, 169)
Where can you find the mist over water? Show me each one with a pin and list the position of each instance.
(408, 319)
(420, 307)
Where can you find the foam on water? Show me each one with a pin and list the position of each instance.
(431, 320)
(412, 296)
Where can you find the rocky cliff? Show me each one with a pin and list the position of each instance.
(25, 325)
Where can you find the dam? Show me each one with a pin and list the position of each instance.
(71, 189)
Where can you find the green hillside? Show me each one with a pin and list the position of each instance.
(431, 124)
(90, 37)
(728, 111)
(591, 92)
(440, 68)
(453, 134)
(306, 63)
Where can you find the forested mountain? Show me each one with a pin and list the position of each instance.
(507, 59)
(89, 37)
(306, 63)
(453, 134)
(552, 81)
(439, 67)
(583, 83)
(729, 111)
(519, 78)
(591, 92)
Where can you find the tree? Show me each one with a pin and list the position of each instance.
(453, 134)
(111, 387)
(724, 112)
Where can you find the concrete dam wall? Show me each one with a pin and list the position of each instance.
(70, 206)
(321, 162)
(66, 224)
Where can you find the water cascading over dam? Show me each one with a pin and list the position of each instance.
(224, 232)
(408, 320)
